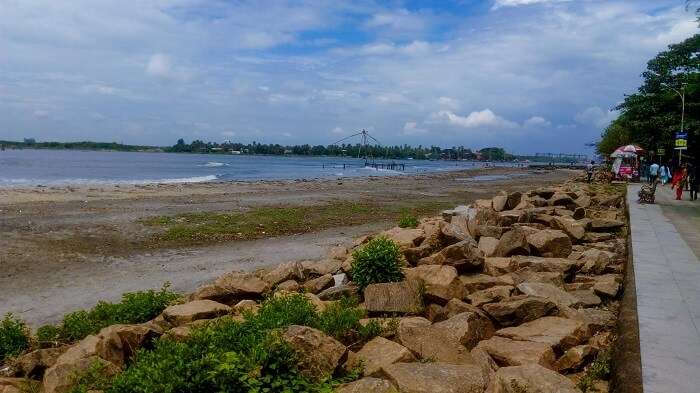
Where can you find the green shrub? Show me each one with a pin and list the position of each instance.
(408, 221)
(599, 369)
(342, 320)
(135, 307)
(14, 337)
(379, 260)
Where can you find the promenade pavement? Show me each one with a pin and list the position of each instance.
(665, 249)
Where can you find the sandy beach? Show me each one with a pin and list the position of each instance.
(65, 248)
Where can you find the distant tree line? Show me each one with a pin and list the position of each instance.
(348, 150)
(30, 143)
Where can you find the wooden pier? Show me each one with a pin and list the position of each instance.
(386, 165)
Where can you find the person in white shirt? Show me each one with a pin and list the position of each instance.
(653, 172)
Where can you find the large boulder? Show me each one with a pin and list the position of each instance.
(560, 199)
(367, 385)
(507, 352)
(550, 243)
(497, 266)
(607, 285)
(468, 328)
(233, 287)
(603, 225)
(318, 284)
(378, 353)
(519, 309)
(399, 297)
(456, 306)
(531, 274)
(574, 229)
(482, 217)
(436, 377)
(405, 237)
(490, 295)
(499, 202)
(513, 242)
(18, 385)
(488, 245)
(514, 199)
(530, 378)
(455, 231)
(61, 378)
(34, 363)
(464, 256)
(180, 314)
(575, 358)
(440, 282)
(476, 282)
(560, 297)
(321, 267)
(560, 333)
(284, 272)
(319, 354)
(567, 267)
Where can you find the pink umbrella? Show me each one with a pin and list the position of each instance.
(627, 151)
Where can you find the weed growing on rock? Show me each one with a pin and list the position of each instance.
(14, 337)
(600, 369)
(408, 221)
(135, 307)
(380, 260)
(233, 356)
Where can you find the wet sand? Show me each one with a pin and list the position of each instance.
(47, 270)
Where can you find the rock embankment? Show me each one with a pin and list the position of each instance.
(517, 293)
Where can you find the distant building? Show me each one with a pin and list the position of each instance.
(29, 141)
(235, 152)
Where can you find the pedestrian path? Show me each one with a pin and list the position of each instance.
(667, 275)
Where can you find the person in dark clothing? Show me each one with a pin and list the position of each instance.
(693, 182)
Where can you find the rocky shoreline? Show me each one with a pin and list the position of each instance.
(517, 293)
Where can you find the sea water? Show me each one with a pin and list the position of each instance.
(61, 167)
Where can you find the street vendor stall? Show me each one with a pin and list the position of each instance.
(626, 163)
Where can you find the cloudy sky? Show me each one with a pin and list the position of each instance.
(529, 75)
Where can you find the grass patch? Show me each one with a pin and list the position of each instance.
(600, 369)
(408, 221)
(14, 337)
(232, 356)
(135, 307)
(207, 227)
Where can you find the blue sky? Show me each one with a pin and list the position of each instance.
(529, 75)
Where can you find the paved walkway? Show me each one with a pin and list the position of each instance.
(667, 275)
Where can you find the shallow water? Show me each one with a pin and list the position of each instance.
(61, 167)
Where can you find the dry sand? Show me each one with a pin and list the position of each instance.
(44, 274)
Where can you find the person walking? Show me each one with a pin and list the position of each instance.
(653, 172)
(694, 182)
(664, 174)
(680, 177)
(589, 171)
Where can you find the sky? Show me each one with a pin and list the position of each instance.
(527, 75)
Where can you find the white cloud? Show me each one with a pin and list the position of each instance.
(337, 130)
(411, 128)
(161, 66)
(515, 3)
(228, 134)
(449, 102)
(483, 118)
(537, 121)
(595, 116)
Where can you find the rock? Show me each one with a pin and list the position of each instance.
(499, 202)
(519, 309)
(482, 217)
(509, 217)
(550, 243)
(289, 286)
(319, 354)
(579, 213)
(198, 309)
(530, 274)
(367, 385)
(596, 319)
(318, 284)
(507, 352)
(560, 333)
(491, 231)
(461, 210)
(488, 245)
(586, 297)
(445, 341)
(434, 312)
(61, 377)
(407, 323)
(378, 353)
(545, 193)
(484, 361)
(18, 385)
(607, 285)
(560, 297)
(436, 377)
(455, 231)
(338, 252)
(130, 338)
(339, 292)
(401, 297)
(246, 306)
(456, 306)
(513, 242)
(560, 199)
(33, 364)
(405, 237)
(571, 227)
(496, 266)
(284, 272)
(564, 212)
(596, 261)
(490, 295)
(464, 256)
(440, 282)
(514, 199)
(575, 358)
(567, 267)
(583, 201)
(321, 267)
(232, 287)
(595, 237)
(530, 378)
(601, 225)
(476, 282)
